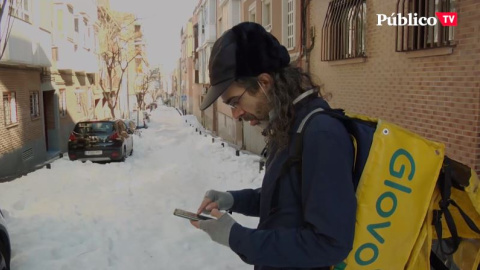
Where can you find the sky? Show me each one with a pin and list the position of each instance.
(162, 22)
(120, 215)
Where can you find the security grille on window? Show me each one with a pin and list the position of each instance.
(34, 105)
(343, 31)
(10, 108)
(426, 36)
(20, 9)
(290, 24)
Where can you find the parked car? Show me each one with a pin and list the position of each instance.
(140, 118)
(133, 126)
(5, 249)
(108, 140)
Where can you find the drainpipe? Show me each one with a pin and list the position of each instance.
(306, 30)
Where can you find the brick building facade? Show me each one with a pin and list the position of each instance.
(210, 19)
(426, 79)
(433, 92)
(49, 76)
(22, 140)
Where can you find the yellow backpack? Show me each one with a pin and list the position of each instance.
(416, 208)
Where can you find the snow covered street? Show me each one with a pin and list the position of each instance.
(119, 215)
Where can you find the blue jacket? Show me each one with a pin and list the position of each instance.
(312, 225)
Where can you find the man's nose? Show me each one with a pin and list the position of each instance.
(237, 112)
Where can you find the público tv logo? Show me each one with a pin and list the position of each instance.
(397, 19)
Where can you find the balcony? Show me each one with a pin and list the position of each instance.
(28, 46)
(74, 58)
(207, 30)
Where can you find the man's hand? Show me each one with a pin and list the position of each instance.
(215, 199)
(218, 229)
(214, 213)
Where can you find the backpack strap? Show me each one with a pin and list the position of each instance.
(336, 113)
(445, 186)
(436, 262)
(295, 158)
(445, 192)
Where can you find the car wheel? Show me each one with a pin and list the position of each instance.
(4, 258)
(124, 154)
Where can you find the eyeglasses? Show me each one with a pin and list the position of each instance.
(234, 101)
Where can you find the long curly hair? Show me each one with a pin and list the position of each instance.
(288, 83)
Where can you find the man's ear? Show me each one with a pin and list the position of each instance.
(265, 80)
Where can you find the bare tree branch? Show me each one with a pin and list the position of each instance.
(116, 52)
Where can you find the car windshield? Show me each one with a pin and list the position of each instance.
(94, 127)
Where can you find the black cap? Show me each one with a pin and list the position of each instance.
(246, 50)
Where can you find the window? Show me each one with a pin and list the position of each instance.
(60, 20)
(288, 10)
(70, 22)
(75, 24)
(62, 102)
(21, 9)
(267, 14)
(202, 67)
(207, 57)
(46, 17)
(90, 98)
(55, 54)
(86, 34)
(224, 18)
(411, 38)
(343, 31)
(34, 105)
(10, 108)
(251, 13)
(220, 26)
(79, 102)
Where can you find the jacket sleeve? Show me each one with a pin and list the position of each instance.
(246, 201)
(328, 203)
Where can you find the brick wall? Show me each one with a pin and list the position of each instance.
(22, 82)
(22, 145)
(436, 96)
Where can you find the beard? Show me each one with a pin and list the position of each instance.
(260, 115)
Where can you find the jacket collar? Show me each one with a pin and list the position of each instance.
(304, 104)
(304, 95)
(304, 98)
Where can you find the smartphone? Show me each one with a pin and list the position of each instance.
(189, 215)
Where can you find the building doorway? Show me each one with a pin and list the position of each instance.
(49, 115)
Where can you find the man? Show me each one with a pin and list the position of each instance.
(307, 212)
